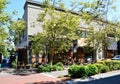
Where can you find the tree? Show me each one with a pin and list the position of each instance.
(117, 32)
(59, 29)
(97, 11)
(16, 29)
(9, 29)
(4, 19)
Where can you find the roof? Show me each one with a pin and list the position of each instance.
(40, 4)
(60, 9)
(32, 2)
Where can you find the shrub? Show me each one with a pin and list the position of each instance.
(105, 69)
(83, 71)
(46, 68)
(116, 67)
(113, 65)
(101, 62)
(92, 69)
(74, 70)
(40, 68)
(14, 64)
(60, 64)
(77, 71)
(109, 64)
(49, 67)
(56, 68)
(99, 66)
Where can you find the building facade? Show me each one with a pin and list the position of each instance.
(31, 11)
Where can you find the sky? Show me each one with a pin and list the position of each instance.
(18, 5)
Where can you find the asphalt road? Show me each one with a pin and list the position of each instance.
(108, 80)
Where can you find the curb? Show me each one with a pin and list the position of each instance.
(97, 76)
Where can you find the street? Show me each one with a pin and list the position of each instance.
(108, 80)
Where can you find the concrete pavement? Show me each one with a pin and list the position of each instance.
(112, 77)
(40, 78)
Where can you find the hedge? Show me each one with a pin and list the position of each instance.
(78, 71)
(49, 67)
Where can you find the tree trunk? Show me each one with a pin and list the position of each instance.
(51, 55)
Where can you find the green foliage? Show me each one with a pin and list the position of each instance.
(56, 68)
(105, 69)
(41, 68)
(14, 64)
(59, 30)
(96, 11)
(113, 65)
(60, 64)
(92, 69)
(49, 67)
(77, 71)
(4, 20)
(3, 5)
(102, 68)
(84, 71)
(109, 64)
(74, 70)
(99, 66)
(116, 65)
(16, 29)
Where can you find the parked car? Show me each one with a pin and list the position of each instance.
(116, 57)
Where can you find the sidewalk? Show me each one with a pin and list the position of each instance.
(57, 73)
(52, 78)
(40, 78)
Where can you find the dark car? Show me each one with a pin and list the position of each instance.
(116, 57)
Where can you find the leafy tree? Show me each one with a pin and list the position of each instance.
(59, 28)
(117, 32)
(4, 19)
(97, 11)
(9, 29)
(16, 29)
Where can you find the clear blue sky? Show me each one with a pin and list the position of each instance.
(19, 4)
